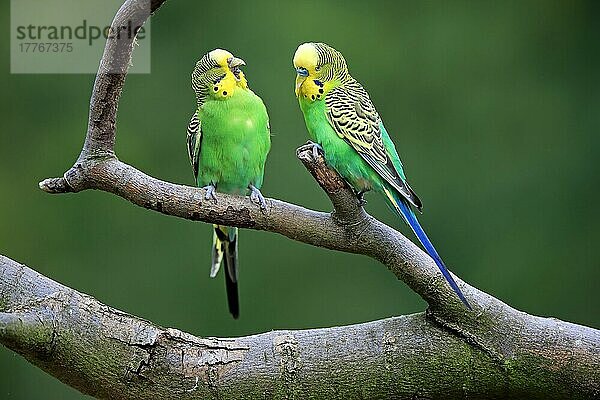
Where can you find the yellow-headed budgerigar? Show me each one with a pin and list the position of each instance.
(228, 140)
(343, 122)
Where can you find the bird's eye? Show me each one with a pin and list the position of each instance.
(318, 68)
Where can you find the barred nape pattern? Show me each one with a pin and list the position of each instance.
(330, 56)
(206, 74)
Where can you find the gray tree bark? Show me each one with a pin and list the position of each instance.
(447, 352)
(109, 354)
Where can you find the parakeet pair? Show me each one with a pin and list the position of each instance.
(228, 142)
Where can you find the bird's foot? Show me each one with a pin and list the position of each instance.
(315, 148)
(361, 198)
(257, 197)
(211, 191)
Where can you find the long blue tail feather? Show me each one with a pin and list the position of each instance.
(403, 208)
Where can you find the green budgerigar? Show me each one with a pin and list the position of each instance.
(228, 140)
(343, 122)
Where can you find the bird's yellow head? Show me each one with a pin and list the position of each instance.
(218, 74)
(318, 66)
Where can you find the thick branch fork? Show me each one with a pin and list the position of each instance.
(349, 228)
(447, 352)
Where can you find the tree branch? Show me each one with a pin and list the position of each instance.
(448, 352)
(109, 354)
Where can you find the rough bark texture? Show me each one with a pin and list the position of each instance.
(448, 352)
(109, 354)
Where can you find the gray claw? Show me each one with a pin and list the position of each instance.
(313, 147)
(257, 197)
(210, 192)
(361, 198)
(315, 150)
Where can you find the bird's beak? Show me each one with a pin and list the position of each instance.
(235, 62)
(299, 81)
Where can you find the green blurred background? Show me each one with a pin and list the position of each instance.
(494, 107)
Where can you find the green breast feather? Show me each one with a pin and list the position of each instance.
(234, 144)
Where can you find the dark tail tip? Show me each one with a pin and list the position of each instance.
(233, 299)
(463, 299)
